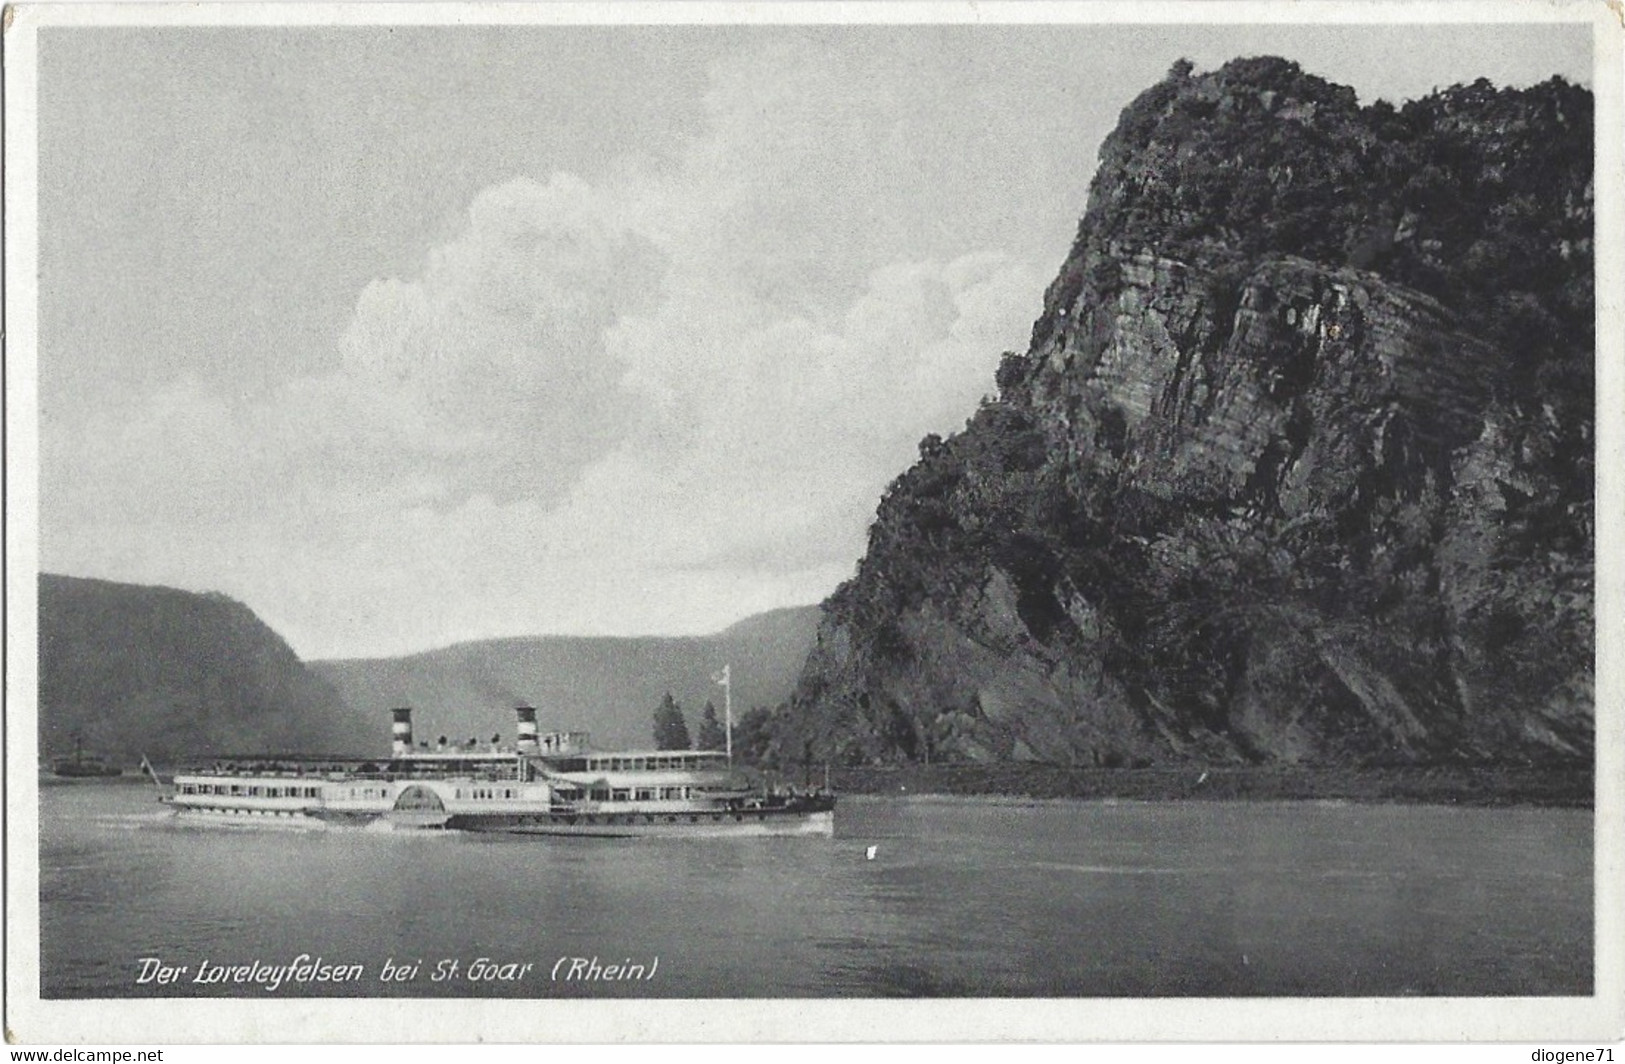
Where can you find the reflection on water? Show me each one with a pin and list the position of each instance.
(962, 898)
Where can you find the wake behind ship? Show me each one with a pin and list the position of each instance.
(551, 784)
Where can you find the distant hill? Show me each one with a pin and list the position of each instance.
(608, 686)
(173, 674)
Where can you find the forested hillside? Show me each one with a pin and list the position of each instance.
(130, 669)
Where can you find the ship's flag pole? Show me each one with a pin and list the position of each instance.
(725, 678)
(146, 767)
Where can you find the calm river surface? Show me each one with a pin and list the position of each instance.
(962, 898)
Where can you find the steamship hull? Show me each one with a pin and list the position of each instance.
(204, 799)
(553, 785)
(810, 819)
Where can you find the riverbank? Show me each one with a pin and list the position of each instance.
(1552, 786)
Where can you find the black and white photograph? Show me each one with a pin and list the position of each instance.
(823, 522)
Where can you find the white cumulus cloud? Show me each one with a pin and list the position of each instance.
(653, 404)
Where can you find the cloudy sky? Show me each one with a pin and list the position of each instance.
(406, 336)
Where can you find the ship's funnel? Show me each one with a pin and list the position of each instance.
(525, 735)
(402, 732)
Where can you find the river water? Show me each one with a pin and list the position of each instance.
(962, 897)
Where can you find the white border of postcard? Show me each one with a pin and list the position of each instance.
(1598, 1019)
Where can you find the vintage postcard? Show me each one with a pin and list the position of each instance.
(738, 522)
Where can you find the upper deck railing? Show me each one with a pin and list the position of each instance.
(463, 764)
(488, 766)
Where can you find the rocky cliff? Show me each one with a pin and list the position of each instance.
(1297, 467)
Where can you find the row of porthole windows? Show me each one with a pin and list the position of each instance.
(685, 762)
(649, 818)
(244, 790)
(639, 794)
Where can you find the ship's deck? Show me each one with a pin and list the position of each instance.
(481, 764)
(494, 766)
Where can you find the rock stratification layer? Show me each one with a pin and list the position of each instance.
(1297, 467)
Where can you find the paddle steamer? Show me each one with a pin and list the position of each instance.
(553, 784)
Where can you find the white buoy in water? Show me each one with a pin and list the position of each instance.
(869, 854)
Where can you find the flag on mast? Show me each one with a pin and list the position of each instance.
(146, 766)
(725, 678)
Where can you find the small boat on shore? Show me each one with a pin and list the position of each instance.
(553, 784)
(81, 767)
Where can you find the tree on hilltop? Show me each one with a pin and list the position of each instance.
(671, 730)
(711, 735)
